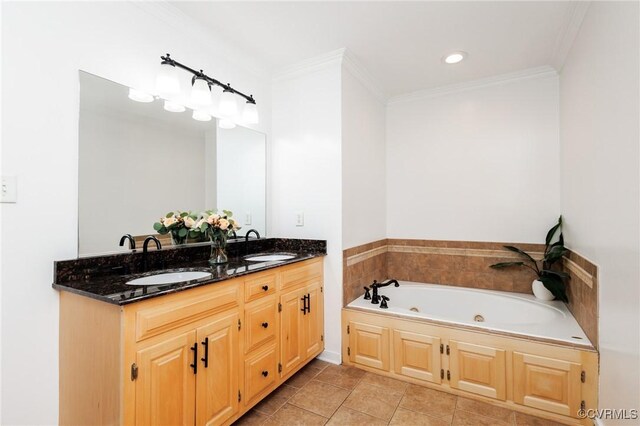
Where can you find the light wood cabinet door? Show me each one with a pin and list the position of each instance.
(166, 383)
(218, 370)
(313, 320)
(478, 369)
(417, 355)
(260, 374)
(547, 384)
(369, 345)
(291, 331)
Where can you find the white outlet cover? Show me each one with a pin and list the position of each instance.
(9, 189)
(247, 218)
(299, 218)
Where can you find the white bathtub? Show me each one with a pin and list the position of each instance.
(492, 310)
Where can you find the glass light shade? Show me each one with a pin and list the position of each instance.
(201, 115)
(250, 113)
(200, 93)
(225, 123)
(167, 81)
(173, 107)
(139, 95)
(228, 104)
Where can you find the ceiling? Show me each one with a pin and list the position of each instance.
(401, 44)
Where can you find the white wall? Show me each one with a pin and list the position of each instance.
(43, 47)
(363, 163)
(306, 174)
(479, 164)
(599, 121)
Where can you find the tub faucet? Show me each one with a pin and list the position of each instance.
(375, 298)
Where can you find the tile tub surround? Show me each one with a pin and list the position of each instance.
(466, 264)
(339, 395)
(104, 277)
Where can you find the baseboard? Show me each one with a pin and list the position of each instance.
(332, 357)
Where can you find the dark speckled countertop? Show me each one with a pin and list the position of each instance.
(104, 277)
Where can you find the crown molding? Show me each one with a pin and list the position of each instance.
(538, 72)
(567, 36)
(182, 23)
(311, 65)
(356, 69)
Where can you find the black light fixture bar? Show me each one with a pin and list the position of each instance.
(167, 60)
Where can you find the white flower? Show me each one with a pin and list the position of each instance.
(189, 222)
(213, 219)
(223, 224)
(168, 221)
(199, 223)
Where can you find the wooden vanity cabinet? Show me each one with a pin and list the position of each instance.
(538, 378)
(199, 357)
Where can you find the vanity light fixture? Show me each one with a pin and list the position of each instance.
(454, 57)
(173, 107)
(202, 92)
(200, 115)
(140, 96)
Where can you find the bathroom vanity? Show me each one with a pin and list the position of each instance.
(201, 352)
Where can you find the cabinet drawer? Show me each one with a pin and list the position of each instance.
(303, 272)
(260, 319)
(263, 285)
(261, 371)
(161, 315)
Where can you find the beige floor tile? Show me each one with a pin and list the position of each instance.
(276, 399)
(290, 415)
(384, 382)
(527, 420)
(428, 401)
(466, 418)
(373, 400)
(319, 364)
(320, 398)
(484, 409)
(251, 418)
(348, 417)
(404, 417)
(341, 376)
(304, 376)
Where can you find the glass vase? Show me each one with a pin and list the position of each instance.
(218, 249)
(176, 239)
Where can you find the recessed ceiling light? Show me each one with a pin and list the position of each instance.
(454, 58)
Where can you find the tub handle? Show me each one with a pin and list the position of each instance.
(367, 293)
(383, 302)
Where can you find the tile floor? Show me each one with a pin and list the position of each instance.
(336, 395)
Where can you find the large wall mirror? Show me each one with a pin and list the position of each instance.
(137, 162)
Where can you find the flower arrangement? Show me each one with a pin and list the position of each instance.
(208, 225)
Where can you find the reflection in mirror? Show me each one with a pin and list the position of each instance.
(138, 161)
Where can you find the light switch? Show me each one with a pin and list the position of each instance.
(9, 189)
(299, 218)
(247, 218)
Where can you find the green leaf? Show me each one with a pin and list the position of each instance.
(552, 231)
(555, 285)
(157, 226)
(227, 213)
(554, 254)
(182, 232)
(521, 252)
(163, 231)
(168, 215)
(184, 214)
(506, 264)
(559, 274)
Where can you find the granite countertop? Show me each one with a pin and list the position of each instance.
(87, 276)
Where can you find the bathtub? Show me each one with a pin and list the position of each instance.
(499, 311)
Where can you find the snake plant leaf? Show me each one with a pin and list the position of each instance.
(521, 252)
(554, 254)
(558, 274)
(553, 230)
(555, 285)
(506, 264)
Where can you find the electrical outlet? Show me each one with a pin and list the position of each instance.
(9, 189)
(299, 218)
(247, 218)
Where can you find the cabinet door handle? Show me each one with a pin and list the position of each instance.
(205, 359)
(308, 303)
(304, 304)
(194, 348)
(265, 373)
(265, 324)
(265, 287)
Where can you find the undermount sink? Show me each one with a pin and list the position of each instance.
(170, 278)
(269, 257)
